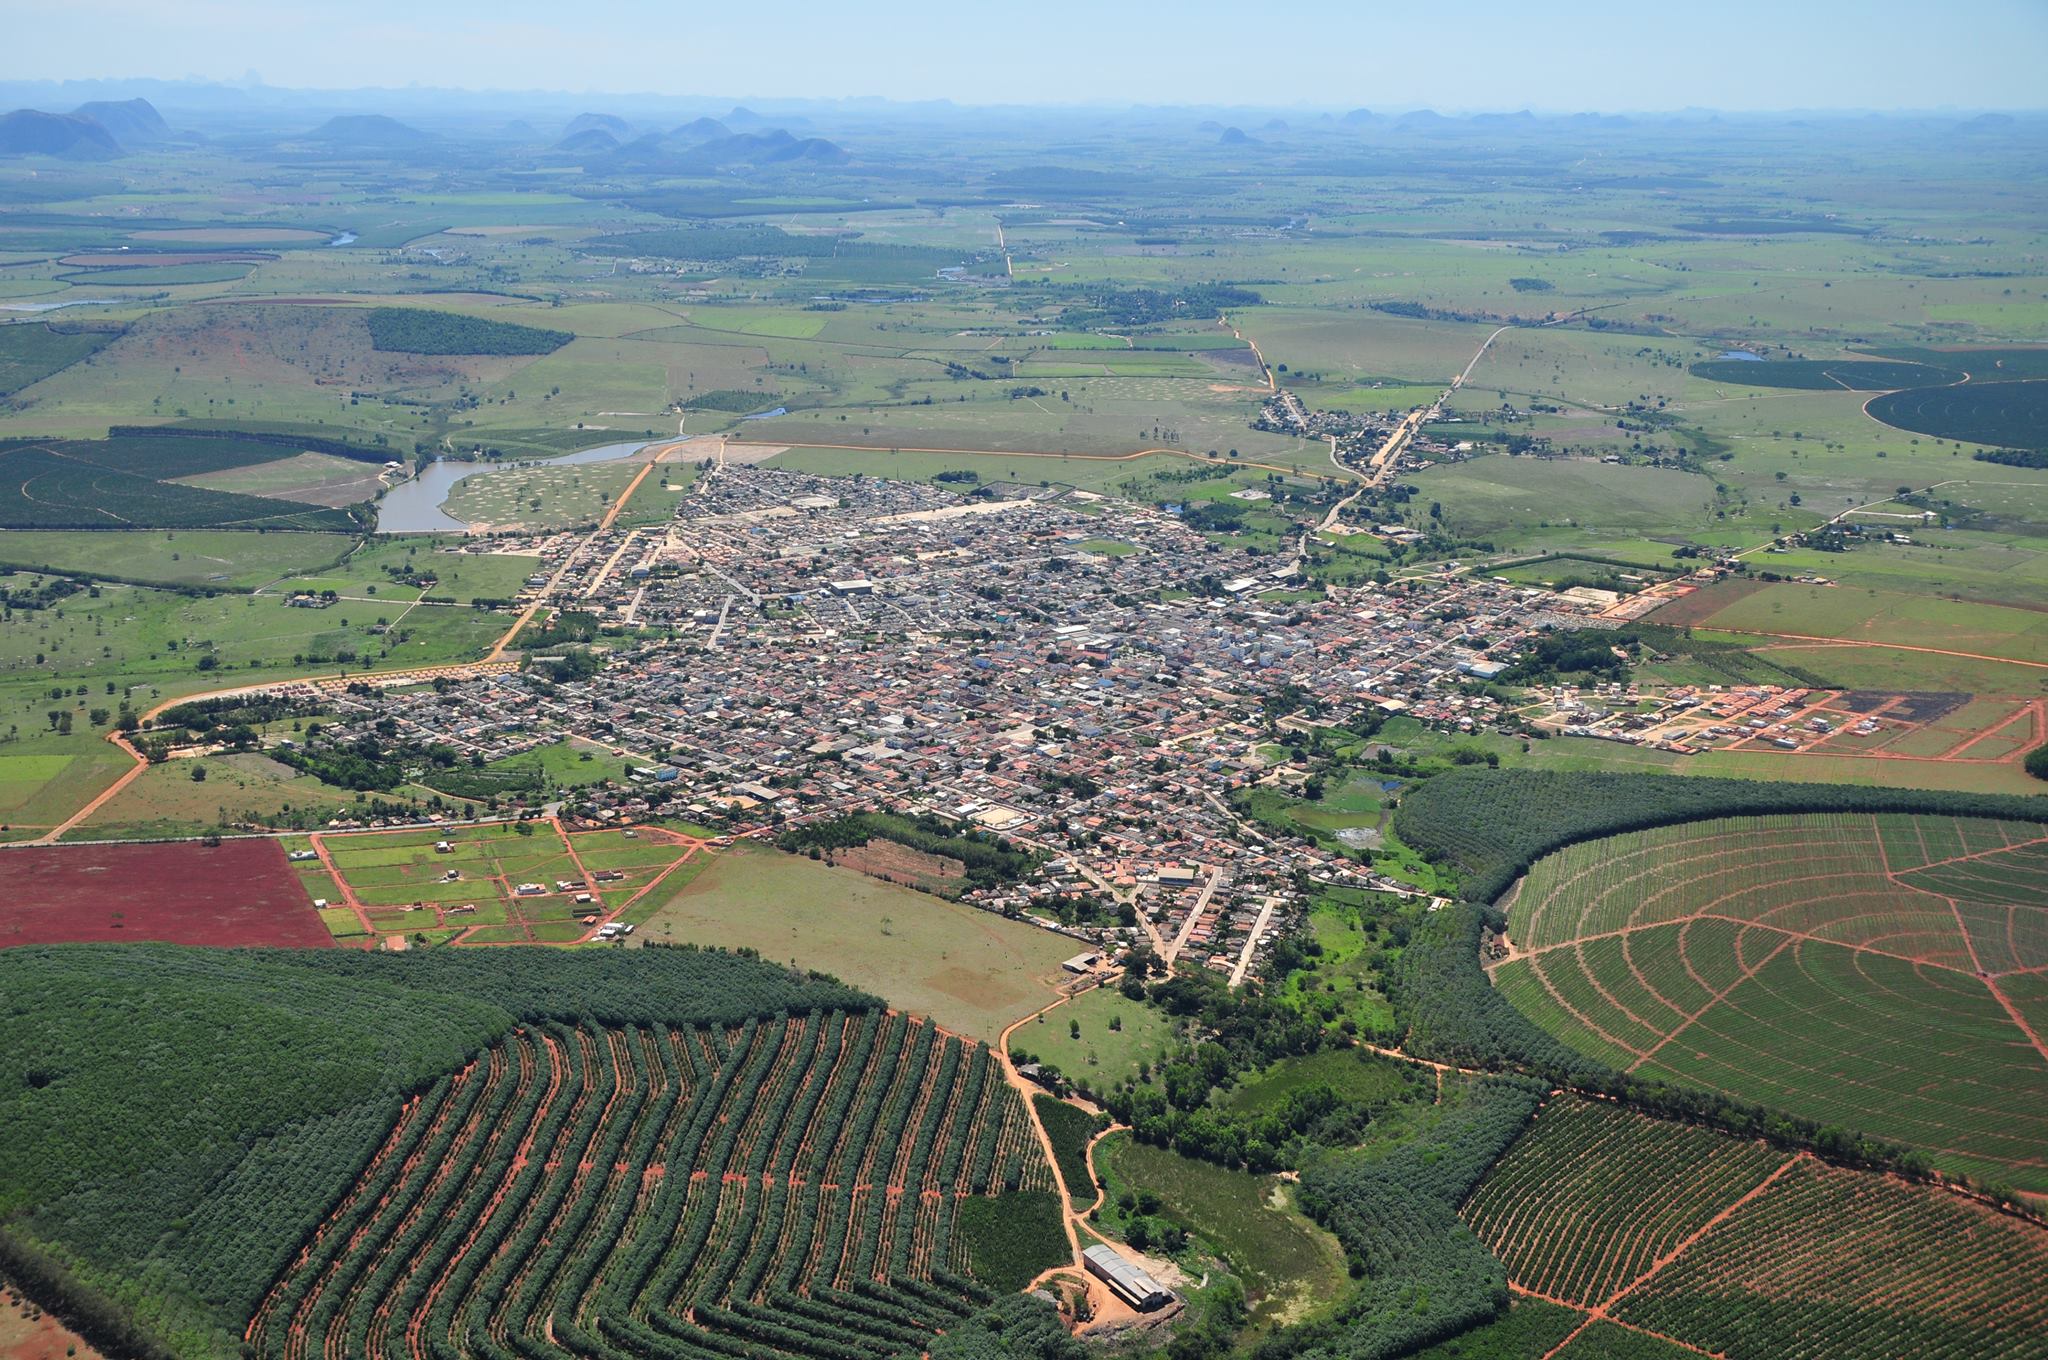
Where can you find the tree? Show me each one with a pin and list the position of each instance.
(198, 774)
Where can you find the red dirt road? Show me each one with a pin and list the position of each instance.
(241, 892)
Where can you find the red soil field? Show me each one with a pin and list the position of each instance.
(240, 892)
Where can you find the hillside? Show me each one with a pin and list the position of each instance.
(31, 132)
(131, 122)
(369, 131)
(186, 1210)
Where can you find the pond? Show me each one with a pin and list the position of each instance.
(53, 306)
(414, 507)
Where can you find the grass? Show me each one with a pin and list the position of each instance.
(164, 801)
(1351, 1072)
(1350, 928)
(30, 352)
(1100, 1056)
(971, 971)
(1509, 499)
(120, 642)
(1872, 615)
(208, 558)
(1290, 1267)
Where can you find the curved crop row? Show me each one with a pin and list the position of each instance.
(786, 1187)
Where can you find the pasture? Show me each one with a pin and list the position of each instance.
(1868, 972)
(1525, 500)
(208, 558)
(1115, 1037)
(972, 971)
(1290, 1267)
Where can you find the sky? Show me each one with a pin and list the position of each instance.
(1549, 55)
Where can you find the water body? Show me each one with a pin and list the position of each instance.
(414, 507)
(53, 306)
(1742, 354)
(347, 238)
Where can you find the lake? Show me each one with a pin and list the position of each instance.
(414, 507)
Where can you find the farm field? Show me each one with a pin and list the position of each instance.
(969, 970)
(226, 560)
(135, 482)
(239, 893)
(164, 801)
(1749, 1251)
(1872, 616)
(789, 1184)
(1525, 500)
(1867, 972)
(495, 883)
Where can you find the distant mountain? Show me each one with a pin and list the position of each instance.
(1358, 116)
(521, 129)
(591, 141)
(1987, 122)
(678, 154)
(812, 151)
(1274, 125)
(131, 122)
(701, 130)
(618, 128)
(369, 131)
(31, 132)
(1234, 137)
(1422, 120)
(744, 117)
(1208, 125)
(1497, 119)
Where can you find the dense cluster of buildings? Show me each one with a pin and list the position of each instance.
(1087, 678)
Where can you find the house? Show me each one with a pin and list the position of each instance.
(1082, 963)
(1124, 1279)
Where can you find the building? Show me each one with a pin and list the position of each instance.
(1125, 1280)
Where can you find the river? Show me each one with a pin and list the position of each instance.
(414, 507)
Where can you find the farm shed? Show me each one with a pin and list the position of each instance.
(1127, 1281)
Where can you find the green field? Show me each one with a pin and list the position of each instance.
(31, 351)
(1517, 500)
(1865, 972)
(970, 970)
(1291, 1268)
(1099, 1055)
(2002, 414)
(1351, 1072)
(211, 559)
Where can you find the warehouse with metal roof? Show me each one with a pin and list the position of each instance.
(1127, 1281)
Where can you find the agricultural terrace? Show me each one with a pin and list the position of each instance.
(1880, 973)
(1680, 1235)
(237, 893)
(788, 1187)
(531, 882)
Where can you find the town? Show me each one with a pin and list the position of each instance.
(1088, 680)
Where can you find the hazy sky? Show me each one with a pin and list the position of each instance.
(1474, 54)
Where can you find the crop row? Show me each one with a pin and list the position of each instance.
(1593, 1195)
(1845, 1265)
(782, 1187)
